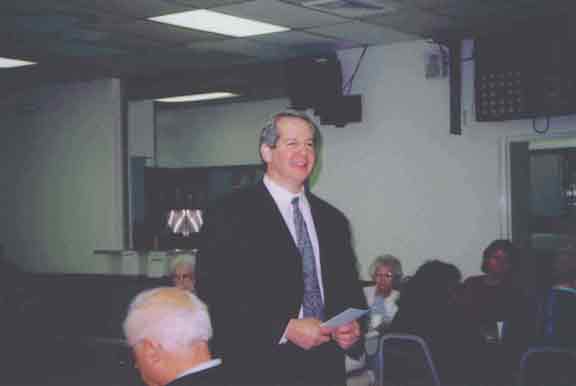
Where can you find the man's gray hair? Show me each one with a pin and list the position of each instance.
(269, 134)
(175, 322)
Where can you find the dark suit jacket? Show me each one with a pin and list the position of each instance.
(249, 272)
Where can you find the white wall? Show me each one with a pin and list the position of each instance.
(61, 196)
(141, 121)
(209, 135)
(407, 185)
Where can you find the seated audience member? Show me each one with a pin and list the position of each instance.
(427, 308)
(499, 309)
(490, 299)
(168, 330)
(555, 320)
(558, 308)
(182, 272)
(386, 271)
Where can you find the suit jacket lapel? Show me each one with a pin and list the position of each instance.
(276, 227)
(322, 233)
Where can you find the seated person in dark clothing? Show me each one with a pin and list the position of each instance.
(168, 330)
(427, 309)
(490, 299)
(555, 323)
(498, 308)
(558, 308)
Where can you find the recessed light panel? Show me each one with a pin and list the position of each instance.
(198, 97)
(10, 63)
(220, 23)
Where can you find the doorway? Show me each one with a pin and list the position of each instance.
(542, 181)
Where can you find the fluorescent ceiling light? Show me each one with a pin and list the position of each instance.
(198, 97)
(220, 23)
(9, 63)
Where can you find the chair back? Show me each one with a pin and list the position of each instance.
(550, 365)
(405, 359)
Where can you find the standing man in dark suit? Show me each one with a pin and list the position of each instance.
(275, 262)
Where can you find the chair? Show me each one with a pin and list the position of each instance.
(405, 359)
(547, 365)
(359, 371)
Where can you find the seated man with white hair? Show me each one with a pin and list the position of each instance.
(168, 330)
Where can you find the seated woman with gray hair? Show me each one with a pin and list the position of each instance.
(182, 272)
(386, 271)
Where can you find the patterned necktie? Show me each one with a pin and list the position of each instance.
(312, 303)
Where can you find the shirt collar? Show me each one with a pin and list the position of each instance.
(202, 366)
(281, 195)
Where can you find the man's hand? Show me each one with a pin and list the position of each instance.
(307, 333)
(346, 335)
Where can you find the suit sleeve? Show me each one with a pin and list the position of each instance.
(350, 289)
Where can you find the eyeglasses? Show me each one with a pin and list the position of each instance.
(185, 276)
(387, 275)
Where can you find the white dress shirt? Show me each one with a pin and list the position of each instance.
(283, 199)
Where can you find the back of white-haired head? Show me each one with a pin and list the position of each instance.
(174, 318)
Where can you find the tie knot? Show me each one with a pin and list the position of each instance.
(295, 201)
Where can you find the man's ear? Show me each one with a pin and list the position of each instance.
(151, 351)
(266, 152)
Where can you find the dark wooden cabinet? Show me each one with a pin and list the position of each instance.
(175, 189)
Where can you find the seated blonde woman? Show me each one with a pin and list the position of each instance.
(182, 272)
(386, 271)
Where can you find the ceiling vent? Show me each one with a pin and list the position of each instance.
(354, 8)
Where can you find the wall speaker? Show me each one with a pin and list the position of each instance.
(310, 80)
(340, 110)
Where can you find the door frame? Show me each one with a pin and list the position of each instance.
(551, 141)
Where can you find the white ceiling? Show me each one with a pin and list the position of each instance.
(86, 38)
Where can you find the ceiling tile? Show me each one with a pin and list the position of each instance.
(139, 9)
(164, 61)
(416, 22)
(95, 31)
(158, 32)
(206, 4)
(276, 12)
(74, 48)
(242, 46)
(304, 44)
(296, 38)
(130, 8)
(363, 33)
(352, 8)
(469, 8)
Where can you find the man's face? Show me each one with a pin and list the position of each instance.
(144, 366)
(151, 369)
(292, 160)
(499, 262)
(183, 277)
